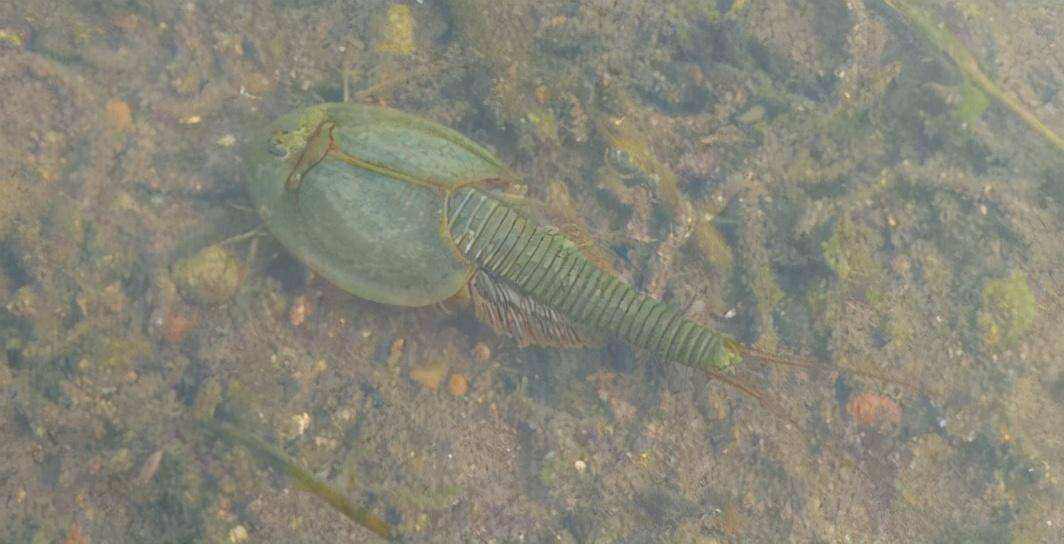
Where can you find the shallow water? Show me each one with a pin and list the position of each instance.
(823, 179)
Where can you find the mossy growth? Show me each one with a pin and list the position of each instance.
(846, 251)
(500, 32)
(940, 36)
(971, 105)
(110, 359)
(632, 154)
(1007, 312)
(397, 35)
(211, 276)
(713, 246)
(687, 16)
(766, 291)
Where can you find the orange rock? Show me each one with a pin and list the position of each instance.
(119, 116)
(457, 385)
(871, 411)
(731, 521)
(175, 327)
(126, 23)
(75, 535)
(302, 307)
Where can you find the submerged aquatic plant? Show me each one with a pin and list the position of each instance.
(303, 479)
(969, 67)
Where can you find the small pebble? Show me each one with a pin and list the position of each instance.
(481, 352)
(150, 467)
(872, 411)
(238, 534)
(395, 352)
(119, 116)
(300, 423)
(429, 375)
(458, 385)
(257, 83)
(302, 307)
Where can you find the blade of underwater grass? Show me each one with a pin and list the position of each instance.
(277, 460)
(969, 66)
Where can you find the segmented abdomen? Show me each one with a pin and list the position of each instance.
(550, 269)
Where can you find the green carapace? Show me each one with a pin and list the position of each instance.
(403, 211)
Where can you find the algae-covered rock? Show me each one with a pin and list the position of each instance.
(397, 34)
(1008, 310)
(211, 276)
